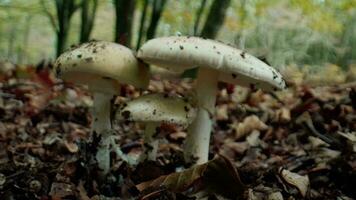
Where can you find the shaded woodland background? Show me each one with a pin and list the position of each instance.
(297, 32)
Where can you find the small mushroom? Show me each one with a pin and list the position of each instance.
(216, 62)
(153, 110)
(102, 66)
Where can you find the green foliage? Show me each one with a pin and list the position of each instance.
(312, 32)
(347, 44)
(301, 32)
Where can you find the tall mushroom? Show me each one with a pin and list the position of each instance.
(153, 110)
(102, 66)
(216, 62)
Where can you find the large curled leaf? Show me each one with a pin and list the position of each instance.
(217, 176)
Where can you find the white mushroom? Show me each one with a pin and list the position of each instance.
(102, 66)
(216, 62)
(154, 109)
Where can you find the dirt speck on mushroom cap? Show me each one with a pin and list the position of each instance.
(181, 53)
(102, 59)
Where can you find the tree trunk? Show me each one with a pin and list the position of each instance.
(158, 7)
(89, 8)
(215, 18)
(198, 17)
(243, 17)
(11, 42)
(65, 10)
(61, 41)
(142, 24)
(26, 37)
(124, 19)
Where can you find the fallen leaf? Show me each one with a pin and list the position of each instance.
(275, 196)
(296, 180)
(282, 115)
(253, 139)
(72, 147)
(216, 176)
(249, 124)
(62, 190)
(82, 192)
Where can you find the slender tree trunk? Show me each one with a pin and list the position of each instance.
(11, 42)
(215, 18)
(243, 16)
(124, 19)
(158, 7)
(61, 21)
(26, 37)
(198, 17)
(84, 36)
(65, 10)
(88, 13)
(142, 24)
(61, 41)
(62, 15)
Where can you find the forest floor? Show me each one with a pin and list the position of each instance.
(296, 144)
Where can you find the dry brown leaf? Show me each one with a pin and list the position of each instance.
(296, 180)
(240, 94)
(178, 135)
(216, 176)
(221, 112)
(275, 196)
(293, 75)
(351, 138)
(253, 139)
(230, 148)
(282, 115)
(82, 192)
(249, 124)
(317, 142)
(71, 146)
(62, 190)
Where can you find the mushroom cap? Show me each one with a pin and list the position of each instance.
(157, 107)
(103, 66)
(235, 66)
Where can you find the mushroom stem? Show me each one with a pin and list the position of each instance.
(197, 142)
(102, 126)
(150, 144)
(101, 112)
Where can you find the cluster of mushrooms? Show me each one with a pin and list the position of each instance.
(104, 66)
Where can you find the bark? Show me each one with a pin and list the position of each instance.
(142, 24)
(26, 37)
(11, 41)
(124, 19)
(215, 18)
(243, 17)
(65, 10)
(61, 21)
(198, 16)
(158, 7)
(88, 9)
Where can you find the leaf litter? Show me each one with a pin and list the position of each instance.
(295, 144)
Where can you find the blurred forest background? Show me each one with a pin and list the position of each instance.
(315, 33)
